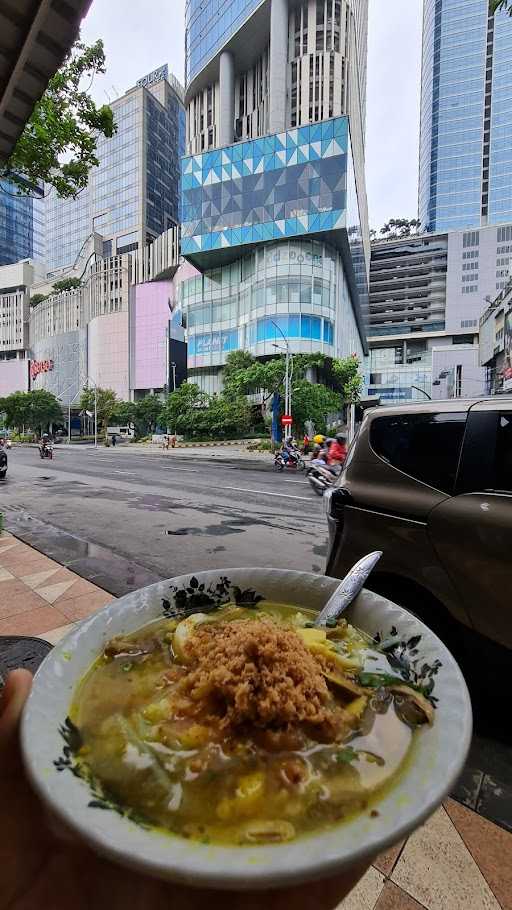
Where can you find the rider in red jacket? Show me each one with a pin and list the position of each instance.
(337, 450)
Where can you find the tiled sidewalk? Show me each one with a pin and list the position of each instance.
(38, 596)
(456, 861)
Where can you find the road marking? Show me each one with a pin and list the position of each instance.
(133, 473)
(266, 493)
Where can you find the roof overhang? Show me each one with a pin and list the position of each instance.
(36, 36)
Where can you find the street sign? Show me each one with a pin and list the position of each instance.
(286, 420)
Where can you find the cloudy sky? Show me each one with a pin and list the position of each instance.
(140, 36)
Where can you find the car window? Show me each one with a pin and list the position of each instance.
(425, 446)
(503, 461)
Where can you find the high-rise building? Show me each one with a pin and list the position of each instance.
(274, 210)
(427, 293)
(21, 223)
(133, 195)
(465, 168)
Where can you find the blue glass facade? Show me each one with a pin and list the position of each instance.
(165, 129)
(465, 173)
(21, 234)
(208, 25)
(500, 164)
(283, 185)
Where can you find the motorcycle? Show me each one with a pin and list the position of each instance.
(321, 478)
(46, 451)
(294, 462)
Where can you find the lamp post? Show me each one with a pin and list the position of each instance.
(288, 372)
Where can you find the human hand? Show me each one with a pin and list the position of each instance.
(41, 871)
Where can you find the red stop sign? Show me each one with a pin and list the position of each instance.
(286, 420)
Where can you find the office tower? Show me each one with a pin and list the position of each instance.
(21, 223)
(133, 195)
(465, 168)
(274, 203)
(427, 294)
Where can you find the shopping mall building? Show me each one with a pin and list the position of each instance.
(274, 210)
(118, 330)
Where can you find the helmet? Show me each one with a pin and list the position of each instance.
(45, 436)
(319, 439)
(341, 438)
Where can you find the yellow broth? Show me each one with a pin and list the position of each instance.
(183, 776)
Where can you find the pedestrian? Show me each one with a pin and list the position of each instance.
(173, 441)
(306, 444)
(113, 439)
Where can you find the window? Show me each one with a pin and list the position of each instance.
(425, 446)
(503, 463)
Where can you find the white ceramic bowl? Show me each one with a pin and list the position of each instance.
(438, 758)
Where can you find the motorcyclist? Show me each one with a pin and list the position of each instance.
(45, 442)
(289, 448)
(337, 450)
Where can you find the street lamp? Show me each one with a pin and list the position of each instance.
(88, 380)
(289, 371)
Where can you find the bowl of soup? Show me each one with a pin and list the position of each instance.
(203, 730)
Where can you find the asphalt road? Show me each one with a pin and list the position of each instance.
(171, 514)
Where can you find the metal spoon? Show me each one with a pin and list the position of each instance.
(348, 589)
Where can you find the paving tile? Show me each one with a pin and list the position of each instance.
(55, 635)
(491, 756)
(437, 870)
(7, 546)
(468, 786)
(38, 578)
(79, 587)
(495, 801)
(385, 861)
(52, 592)
(5, 575)
(393, 898)
(17, 598)
(490, 847)
(81, 607)
(26, 563)
(32, 622)
(365, 895)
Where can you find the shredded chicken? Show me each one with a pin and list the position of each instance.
(258, 673)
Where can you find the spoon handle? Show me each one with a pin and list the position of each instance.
(348, 589)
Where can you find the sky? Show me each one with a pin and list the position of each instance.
(141, 36)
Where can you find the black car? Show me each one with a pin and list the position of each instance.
(3, 463)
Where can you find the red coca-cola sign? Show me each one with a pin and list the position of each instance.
(40, 366)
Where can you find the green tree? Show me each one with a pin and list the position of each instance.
(235, 361)
(16, 408)
(221, 418)
(349, 380)
(123, 413)
(37, 298)
(58, 144)
(178, 411)
(44, 409)
(146, 413)
(67, 284)
(314, 401)
(495, 5)
(106, 401)
(400, 227)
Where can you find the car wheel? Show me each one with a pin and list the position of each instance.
(3, 475)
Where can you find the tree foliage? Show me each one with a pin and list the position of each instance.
(36, 409)
(146, 413)
(496, 5)
(398, 227)
(106, 401)
(313, 401)
(37, 298)
(58, 144)
(67, 284)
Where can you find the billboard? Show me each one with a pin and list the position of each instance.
(507, 353)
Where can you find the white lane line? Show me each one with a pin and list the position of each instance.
(266, 493)
(132, 473)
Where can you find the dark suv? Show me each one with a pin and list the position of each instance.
(430, 485)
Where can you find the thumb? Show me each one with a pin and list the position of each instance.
(12, 700)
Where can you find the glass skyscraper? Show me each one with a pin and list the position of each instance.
(465, 169)
(133, 195)
(274, 212)
(21, 224)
